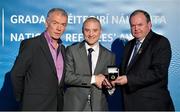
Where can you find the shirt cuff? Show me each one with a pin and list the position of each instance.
(93, 79)
(111, 91)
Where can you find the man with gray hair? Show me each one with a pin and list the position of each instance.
(38, 72)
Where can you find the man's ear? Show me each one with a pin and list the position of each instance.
(149, 24)
(46, 23)
(83, 30)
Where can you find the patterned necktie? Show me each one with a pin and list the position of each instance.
(90, 50)
(138, 43)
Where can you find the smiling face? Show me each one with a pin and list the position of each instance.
(92, 31)
(139, 26)
(56, 24)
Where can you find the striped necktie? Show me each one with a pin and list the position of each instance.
(136, 48)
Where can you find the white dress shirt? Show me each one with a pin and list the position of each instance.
(95, 55)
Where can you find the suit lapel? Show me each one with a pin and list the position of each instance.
(136, 57)
(127, 56)
(141, 50)
(101, 59)
(46, 51)
(63, 51)
(83, 56)
(63, 55)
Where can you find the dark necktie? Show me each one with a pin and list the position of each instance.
(90, 50)
(138, 43)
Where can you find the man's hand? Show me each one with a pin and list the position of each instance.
(99, 80)
(121, 80)
(107, 84)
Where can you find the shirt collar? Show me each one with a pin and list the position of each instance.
(141, 40)
(49, 39)
(95, 47)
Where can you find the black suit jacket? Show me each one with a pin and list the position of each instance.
(34, 76)
(147, 75)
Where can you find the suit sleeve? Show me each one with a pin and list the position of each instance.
(113, 59)
(156, 72)
(71, 77)
(20, 68)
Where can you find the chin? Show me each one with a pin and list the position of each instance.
(90, 43)
(56, 38)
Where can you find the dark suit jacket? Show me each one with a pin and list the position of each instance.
(78, 78)
(34, 76)
(148, 75)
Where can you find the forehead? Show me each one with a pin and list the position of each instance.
(57, 17)
(138, 16)
(91, 23)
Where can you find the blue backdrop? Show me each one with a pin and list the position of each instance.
(25, 19)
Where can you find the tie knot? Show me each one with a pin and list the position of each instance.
(138, 42)
(90, 50)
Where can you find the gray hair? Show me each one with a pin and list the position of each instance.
(91, 19)
(63, 12)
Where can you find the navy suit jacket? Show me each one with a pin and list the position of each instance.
(148, 75)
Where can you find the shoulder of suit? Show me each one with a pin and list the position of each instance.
(105, 49)
(159, 38)
(33, 38)
(130, 42)
(62, 45)
(31, 41)
(74, 45)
